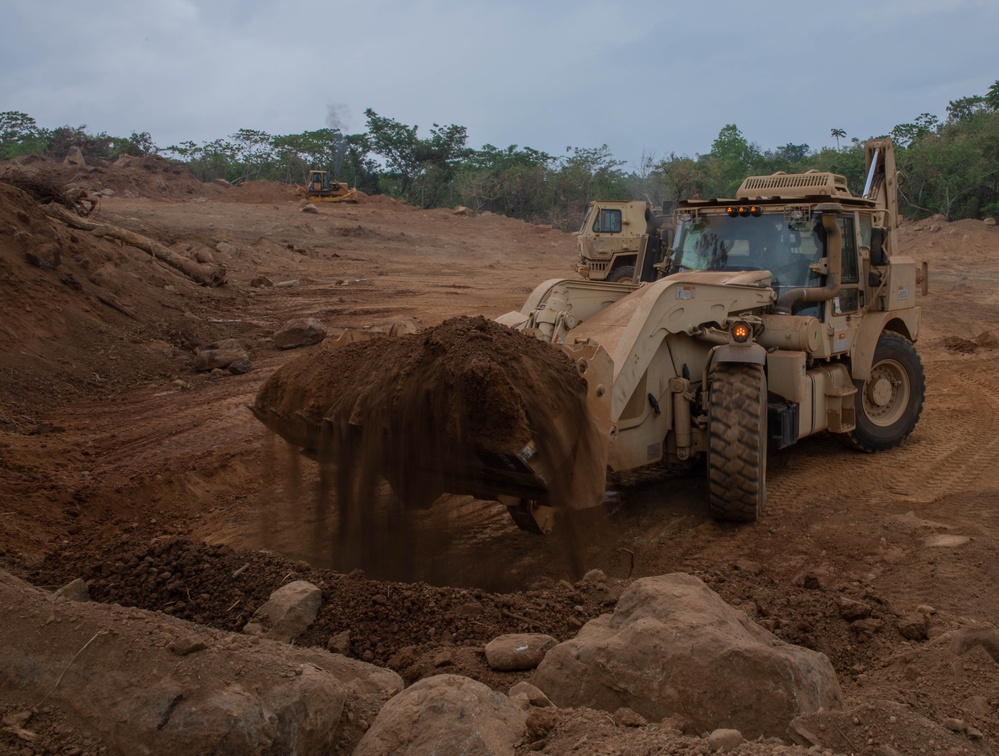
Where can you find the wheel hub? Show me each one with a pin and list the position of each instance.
(880, 391)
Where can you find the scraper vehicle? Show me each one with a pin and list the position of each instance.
(778, 314)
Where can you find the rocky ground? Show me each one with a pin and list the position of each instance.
(124, 465)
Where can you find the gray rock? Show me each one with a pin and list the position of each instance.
(722, 740)
(339, 643)
(852, 610)
(220, 354)
(446, 715)
(673, 647)
(45, 255)
(76, 590)
(261, 282)
(914, 626)
(240, 366)
(74, 157)
(299, 332)
(310, 208)
(625, 717)
(287, 613)
(534, 695)
(594, 577)
(518, 651)
(226, 248)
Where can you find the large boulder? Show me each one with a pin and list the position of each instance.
(146, 683)
(674, 648)
(445, 715)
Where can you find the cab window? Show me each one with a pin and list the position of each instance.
(851, 271)
(608, 222)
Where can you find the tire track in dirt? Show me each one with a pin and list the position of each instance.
(933, 462)
(957, 460)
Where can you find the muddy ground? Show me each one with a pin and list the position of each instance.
(122, 465)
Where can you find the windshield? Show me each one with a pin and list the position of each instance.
(766, 242)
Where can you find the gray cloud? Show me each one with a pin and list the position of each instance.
(659, 76)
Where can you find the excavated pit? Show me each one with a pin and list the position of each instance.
(460, 408)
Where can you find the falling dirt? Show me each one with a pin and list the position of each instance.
(461, 408)
(121, 465)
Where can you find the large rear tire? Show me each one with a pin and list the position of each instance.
(890, 401)
(737, 442)
(624, 273)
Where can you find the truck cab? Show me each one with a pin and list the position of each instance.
(620, 241)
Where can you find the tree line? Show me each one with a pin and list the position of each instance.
(950, 165)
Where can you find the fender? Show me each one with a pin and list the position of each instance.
(904, 322)
(752, 354)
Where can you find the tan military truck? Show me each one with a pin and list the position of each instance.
(783, 312)
(615, 235)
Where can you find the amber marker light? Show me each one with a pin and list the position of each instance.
(741, 332)
(744, 210)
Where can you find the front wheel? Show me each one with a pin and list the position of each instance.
(890, 401)
(737, 442)
(625, 273)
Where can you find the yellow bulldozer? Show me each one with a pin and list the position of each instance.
(781, 313)
(321, 188)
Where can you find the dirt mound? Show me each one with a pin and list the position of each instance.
(76, 309)
(149, 176)
(261, 191)
(467, 407)
(984, 340)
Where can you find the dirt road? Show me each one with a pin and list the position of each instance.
(108, 439)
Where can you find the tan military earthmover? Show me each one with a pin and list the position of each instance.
(778, 314)
(615, 235)
(781, 313)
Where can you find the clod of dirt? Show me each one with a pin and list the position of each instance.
(457, 408)
(983, 341)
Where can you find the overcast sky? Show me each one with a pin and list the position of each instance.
(649, 76)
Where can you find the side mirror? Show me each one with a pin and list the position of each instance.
(878, 236)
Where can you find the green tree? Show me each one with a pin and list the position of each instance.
(992, 97)
(905, 134)
(954, 171)
(964, 107)
(422, 169)
(583, 175)
(253, 149)
(731, 159)
(837, 135)
(510, 181)
(683, 176)
(20, 135)
(297, 154)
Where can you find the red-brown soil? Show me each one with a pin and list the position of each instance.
(121, 465)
